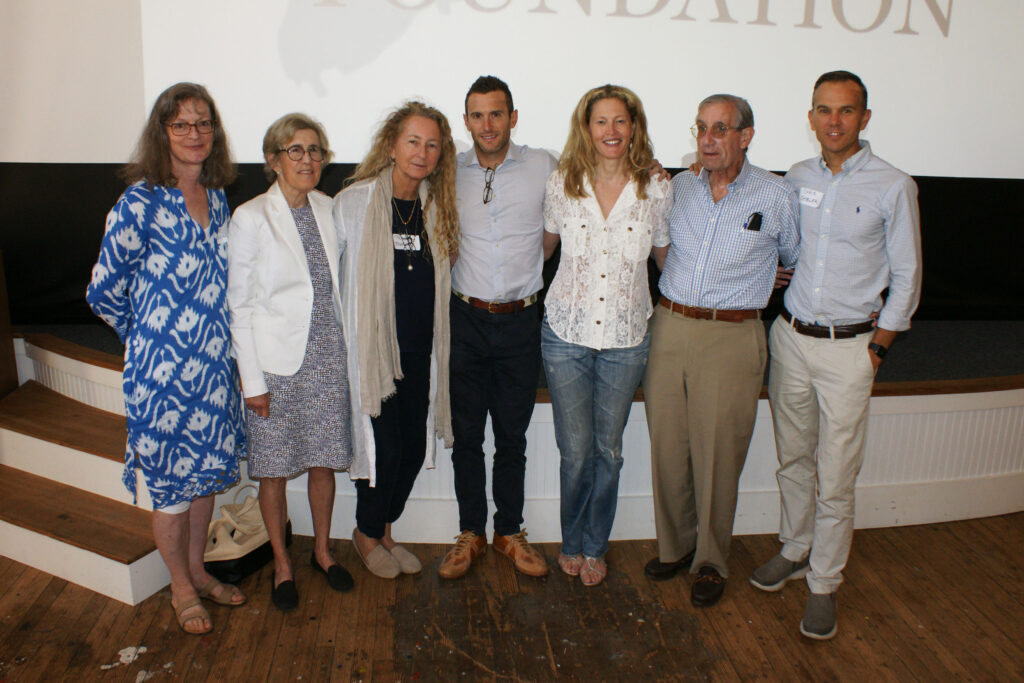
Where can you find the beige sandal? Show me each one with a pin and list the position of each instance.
(189, 611)
(207, 593)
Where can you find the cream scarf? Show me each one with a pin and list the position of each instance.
(379, 358)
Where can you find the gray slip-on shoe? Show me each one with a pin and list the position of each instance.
(819, 620)
(776, 572)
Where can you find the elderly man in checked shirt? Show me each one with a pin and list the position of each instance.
(861, 235)
(730, 225)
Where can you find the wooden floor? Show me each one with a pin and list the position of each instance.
(927, 603)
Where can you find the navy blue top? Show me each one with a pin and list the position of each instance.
(414, 280)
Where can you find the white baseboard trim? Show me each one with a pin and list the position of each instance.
(434, 520)
(930, 458)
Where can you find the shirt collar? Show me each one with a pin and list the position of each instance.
(739, 180)
(854, 163)
(469, 159)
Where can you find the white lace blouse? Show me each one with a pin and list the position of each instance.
(600, 296)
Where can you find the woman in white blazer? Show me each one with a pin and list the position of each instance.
(399, 226)
(287, 332)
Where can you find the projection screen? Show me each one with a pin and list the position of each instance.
(943, 75)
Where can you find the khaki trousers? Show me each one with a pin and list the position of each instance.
(701, 388)
(820, 391)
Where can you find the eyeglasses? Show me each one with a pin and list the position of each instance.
(718, 131)
(297, 152)
(488, 190)
(180, 128)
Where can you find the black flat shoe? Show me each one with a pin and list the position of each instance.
(657, 570)
(708, 587)
(338, 577)
(284, 595)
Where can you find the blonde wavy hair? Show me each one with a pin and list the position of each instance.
(442, 180)
(579, 158)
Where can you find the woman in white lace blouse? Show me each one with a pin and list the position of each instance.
(608, 213)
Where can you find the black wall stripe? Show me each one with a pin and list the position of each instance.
(52, 215)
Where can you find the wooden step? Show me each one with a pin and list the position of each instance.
(114, 530)
(36, 411)
(78, 536)
(53, 436)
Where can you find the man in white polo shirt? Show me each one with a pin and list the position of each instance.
(860, 236)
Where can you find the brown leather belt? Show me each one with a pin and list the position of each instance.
(825, 332)
(493, 307)
(729, 315)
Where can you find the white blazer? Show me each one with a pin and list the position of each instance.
(270, 293)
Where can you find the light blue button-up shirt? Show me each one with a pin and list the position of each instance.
(861, 233)
(714, 261)
(501, 254)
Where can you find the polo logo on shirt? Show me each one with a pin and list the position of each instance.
(811, 198)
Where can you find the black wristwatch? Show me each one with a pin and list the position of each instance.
(878, 350)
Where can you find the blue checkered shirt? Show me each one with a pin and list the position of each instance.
(714, 261)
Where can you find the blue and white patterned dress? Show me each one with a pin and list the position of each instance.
(159, 282)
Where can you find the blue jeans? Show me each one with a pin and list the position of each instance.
(591, 394)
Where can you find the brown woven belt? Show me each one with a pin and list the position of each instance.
(825, 332)
(729, 315)
(493, 307)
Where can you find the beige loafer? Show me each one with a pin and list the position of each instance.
(378, 561)
(407, 562)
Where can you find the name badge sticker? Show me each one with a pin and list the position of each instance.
(811, 198)
(405, 242)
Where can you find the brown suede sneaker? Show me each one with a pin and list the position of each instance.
(526, 559)
(468, 546)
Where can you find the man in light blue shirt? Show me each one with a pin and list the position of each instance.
(730, 224)
(495, 325)
(860, 232)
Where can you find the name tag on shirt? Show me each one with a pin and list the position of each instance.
(405, 242)
(809, 197)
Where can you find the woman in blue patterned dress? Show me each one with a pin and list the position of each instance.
(283, 260)
(160, 282)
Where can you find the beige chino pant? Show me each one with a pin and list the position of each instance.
(700, 391)
(819, 391)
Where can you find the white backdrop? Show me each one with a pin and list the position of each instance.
(349, 61)
(944, 76)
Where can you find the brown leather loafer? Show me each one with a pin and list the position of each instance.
(468, 546)
(526, 559)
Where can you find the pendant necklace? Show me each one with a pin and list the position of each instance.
(405, 224)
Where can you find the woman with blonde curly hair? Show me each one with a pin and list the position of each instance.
(608, 213)
(398, 227)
